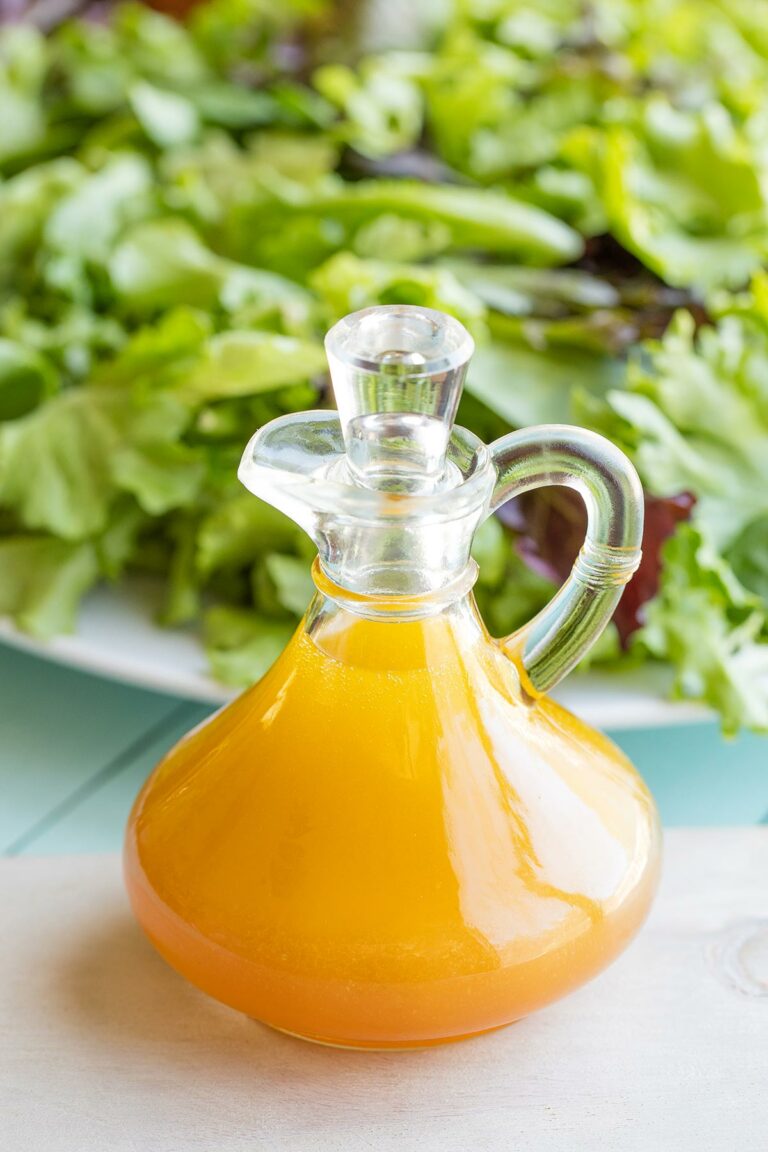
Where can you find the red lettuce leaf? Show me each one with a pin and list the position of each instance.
(549, 526)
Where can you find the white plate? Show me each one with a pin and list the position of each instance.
(116, 637)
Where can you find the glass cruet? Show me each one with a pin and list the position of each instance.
(395, 838)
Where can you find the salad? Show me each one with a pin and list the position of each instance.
(186, 206)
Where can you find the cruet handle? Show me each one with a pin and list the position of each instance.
(549, 646)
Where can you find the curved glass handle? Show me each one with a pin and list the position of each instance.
(554, 641)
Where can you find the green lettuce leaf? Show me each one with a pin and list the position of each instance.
(712, 631)
(475, 219)
(682, 191)
(26, 379)
(183, 596)
(170, 345)
(26, 200)
(167, 118)
(42, 581)
(244, 363)
(239, 531)
(72, 341)
(241, 645)
(161, 475)
(292, 580)
(117, 546)
(86, 222)
(23, 67)
(520, 291)
(347, 283)
(55, 466)
(164, 263)
(61, 467)
(530, 386)
(694, 417)
(748, 556)
(382, 104)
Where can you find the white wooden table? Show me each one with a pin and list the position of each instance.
(104, 1049)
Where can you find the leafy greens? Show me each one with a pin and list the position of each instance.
(184, 209)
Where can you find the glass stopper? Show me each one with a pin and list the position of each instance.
(397, 374)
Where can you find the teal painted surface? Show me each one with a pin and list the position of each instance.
(57, 730)
(75, 749)
(97, 823)
(698, 777)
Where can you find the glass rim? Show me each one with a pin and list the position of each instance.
(339, 337)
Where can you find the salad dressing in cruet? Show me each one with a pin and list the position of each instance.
(395, 838)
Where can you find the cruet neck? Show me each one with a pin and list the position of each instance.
(393, 607)
(390, 491)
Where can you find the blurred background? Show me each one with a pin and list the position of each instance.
(190, 194)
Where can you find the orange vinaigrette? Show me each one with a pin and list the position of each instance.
(395, 838)
(380, 844)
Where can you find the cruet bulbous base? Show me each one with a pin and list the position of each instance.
(387, 843)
